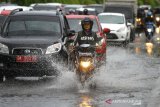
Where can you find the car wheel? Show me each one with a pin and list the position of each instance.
(125, 43)
(132, 35)
(1, 78)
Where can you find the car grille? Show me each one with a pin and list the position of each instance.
(27, 52)
(112, 36)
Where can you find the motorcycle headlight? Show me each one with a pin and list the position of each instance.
(158, 39)
(157, 18)
(121, 29)
(149, 30)
(54, 48)
(4, 49)
(85, 64)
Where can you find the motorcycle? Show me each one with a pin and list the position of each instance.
(85, 62)
(149, 31)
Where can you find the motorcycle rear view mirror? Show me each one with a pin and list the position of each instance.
(106, 30)
(71, 33)
(129, 24)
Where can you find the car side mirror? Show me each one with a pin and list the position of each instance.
(71, 33)
(106, 30)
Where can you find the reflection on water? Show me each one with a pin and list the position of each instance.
(149, 48)
(86, 101)
(138, 50)
(158, 30)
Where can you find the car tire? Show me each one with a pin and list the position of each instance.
(1, 78)
(132, 35)
(125, 43)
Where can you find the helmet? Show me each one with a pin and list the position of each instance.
(149, 14)
(71, 11)
(86, 24)
(85, 11)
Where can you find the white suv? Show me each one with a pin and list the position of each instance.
(116, 22)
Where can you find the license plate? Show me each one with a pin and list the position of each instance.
(26, 58)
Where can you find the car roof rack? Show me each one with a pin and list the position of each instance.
(15, 11)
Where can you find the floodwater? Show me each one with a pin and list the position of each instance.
(129, 79)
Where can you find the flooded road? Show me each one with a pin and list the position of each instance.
(130, 79)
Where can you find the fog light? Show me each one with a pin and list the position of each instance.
(1, 64)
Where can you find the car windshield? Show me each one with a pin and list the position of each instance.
(75, 24)
(37, 25)
(114, 19)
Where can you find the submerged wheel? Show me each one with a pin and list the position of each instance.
(1, 78)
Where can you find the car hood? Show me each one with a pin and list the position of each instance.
(29, 41)
(112, 27)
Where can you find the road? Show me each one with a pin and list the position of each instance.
(130, 79)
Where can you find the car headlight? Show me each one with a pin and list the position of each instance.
(121, 29)
(54, 48)
(4, 49)
(157, 18)
(138, 19)
(149, 30)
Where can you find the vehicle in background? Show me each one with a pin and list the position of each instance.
(156, 12)
(140, 19)
(31, 42)
(68, 7)
(127, 7)
(98, 7)
(130, 3)
(148, 7)
(91, 11)
(149, 30)
(48, 6)
(25, 8)
(116, 22)
(75, 24)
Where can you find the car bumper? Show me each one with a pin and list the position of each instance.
(9, 66)
(117, 36)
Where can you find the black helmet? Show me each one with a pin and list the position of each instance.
(71, 11)
(86, 20)
(85, 11)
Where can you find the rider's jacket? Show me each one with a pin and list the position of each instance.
(86, 38)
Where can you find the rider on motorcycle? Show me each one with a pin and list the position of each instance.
(85, 12)
(149, 24)
(71, 12)
(86, 35)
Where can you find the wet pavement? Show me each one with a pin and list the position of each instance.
(129, 79)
